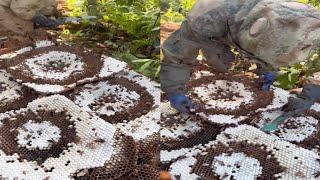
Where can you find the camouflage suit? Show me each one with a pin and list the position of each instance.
(274, 32)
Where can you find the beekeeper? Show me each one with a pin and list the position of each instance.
(273, 33)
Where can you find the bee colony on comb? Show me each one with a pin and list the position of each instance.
(247, 152)
(223, 138)
(70, 114)
(55, 69)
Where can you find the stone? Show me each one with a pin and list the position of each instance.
(258, 26)
(27, 9)
(5, 3)
(13, 23)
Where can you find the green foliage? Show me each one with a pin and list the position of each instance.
(172, 16)
(138, 18)
(175, 10)
(129, 28)
(76, 7)
(291, 77)
(148, 67)
(315, 3)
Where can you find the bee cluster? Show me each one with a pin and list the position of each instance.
(69, 114)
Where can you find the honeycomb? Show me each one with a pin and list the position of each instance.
(109, 131)
(303, 130)
(229, 99)
(53, 138)
(12, 94)
(182, 133)
(128, 100)
(233, 147)
(247, 152)
(54, 69)
(21, 50)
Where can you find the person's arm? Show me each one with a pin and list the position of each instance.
(180, 51)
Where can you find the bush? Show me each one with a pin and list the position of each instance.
(130, 28)
(175, 10)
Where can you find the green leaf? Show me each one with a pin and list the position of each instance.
(141, 60)
(145, 66)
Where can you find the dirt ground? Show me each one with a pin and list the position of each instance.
(167, 29)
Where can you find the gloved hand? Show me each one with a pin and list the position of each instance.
(182, 103)
(268, 79)
(42, 21)
(309, 95)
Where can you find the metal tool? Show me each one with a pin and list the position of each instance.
(275, 123)
(2, 40)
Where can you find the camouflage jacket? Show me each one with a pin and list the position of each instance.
(274, 32)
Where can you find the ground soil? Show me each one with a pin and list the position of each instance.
(15, 41)
(167, 29)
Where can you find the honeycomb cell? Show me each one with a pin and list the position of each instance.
(54, 138)
(54, 69)
(247, 152)
(13, 95)
(229, 98)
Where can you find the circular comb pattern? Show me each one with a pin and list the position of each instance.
(303, 130)
(15, 52)
(46, 142)
(182, 133)
(228, 99)
(13, 95)
(244, 151)
(77, 141)
(114, 100)
(129, 100)
(54, 69)
(294, 129)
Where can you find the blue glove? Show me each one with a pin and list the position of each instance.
(268, 79)
(182, 103)
(43, 21)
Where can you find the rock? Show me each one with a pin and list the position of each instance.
(27, 9)
(258, 26)
(50, 8)
(5, 3)
(13, 23)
